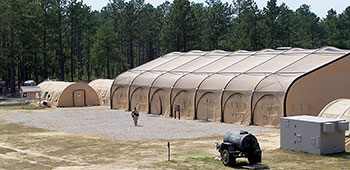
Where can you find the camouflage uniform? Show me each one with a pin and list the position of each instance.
(135, 116)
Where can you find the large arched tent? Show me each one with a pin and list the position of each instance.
(65, 94)
(102, 88)
(337, 109)
(246, 87)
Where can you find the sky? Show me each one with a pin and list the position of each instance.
(319, 7)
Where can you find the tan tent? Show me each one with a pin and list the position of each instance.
(65, 94)
(102, 88)
(338, 109)
(246, 87)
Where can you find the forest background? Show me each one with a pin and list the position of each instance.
(66, 40)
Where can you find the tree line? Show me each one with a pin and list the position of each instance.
(68, 41)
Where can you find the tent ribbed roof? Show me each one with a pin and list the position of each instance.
(264, 70)
(101, 84)
(338, 109)
(56, 86)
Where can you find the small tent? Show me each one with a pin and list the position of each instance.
(338, 109)
(66, 94)
(102, 88)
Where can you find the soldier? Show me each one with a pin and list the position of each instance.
(135, 115)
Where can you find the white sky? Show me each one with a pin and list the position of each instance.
(320, 7)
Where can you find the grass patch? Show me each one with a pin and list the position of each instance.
(205, 160)
(186, 154)
(278, 158)
(20, 107)
(14, 128)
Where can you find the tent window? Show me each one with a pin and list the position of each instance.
(45, 94)
(56, 98)
(104, 94)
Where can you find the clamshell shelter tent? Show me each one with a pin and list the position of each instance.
(337, 109)
(102, 88)
(246, 87)
(67, 94)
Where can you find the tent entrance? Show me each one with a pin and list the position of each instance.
(207, 107)
(267, 111)
(120, 98)
(79, 98)
(158, 102)
(138, 99)
(236, 109)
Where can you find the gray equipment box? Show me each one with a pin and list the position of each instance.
(316, 135)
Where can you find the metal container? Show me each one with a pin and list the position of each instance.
(239, 144)
(316, 135)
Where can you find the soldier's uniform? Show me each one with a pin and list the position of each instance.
(135, 116)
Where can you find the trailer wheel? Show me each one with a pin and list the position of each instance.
(227, 159)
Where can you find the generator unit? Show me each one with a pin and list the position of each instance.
(316, 135)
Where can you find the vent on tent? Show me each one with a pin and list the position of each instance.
(283, 48)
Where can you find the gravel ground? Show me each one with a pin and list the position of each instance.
(118, 125)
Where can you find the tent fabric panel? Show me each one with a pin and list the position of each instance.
(248, 63)
(244, 82)
(197, 63)
(190, 81)
(145, 79)
(277, 82)
(311, 62)
(216, 82)
(157, 62)
(278, 63)
(167, 80)
(101, 83)
(220, 64)
(177, 62)
(126, 78)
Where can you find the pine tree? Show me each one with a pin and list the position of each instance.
(217, 23)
